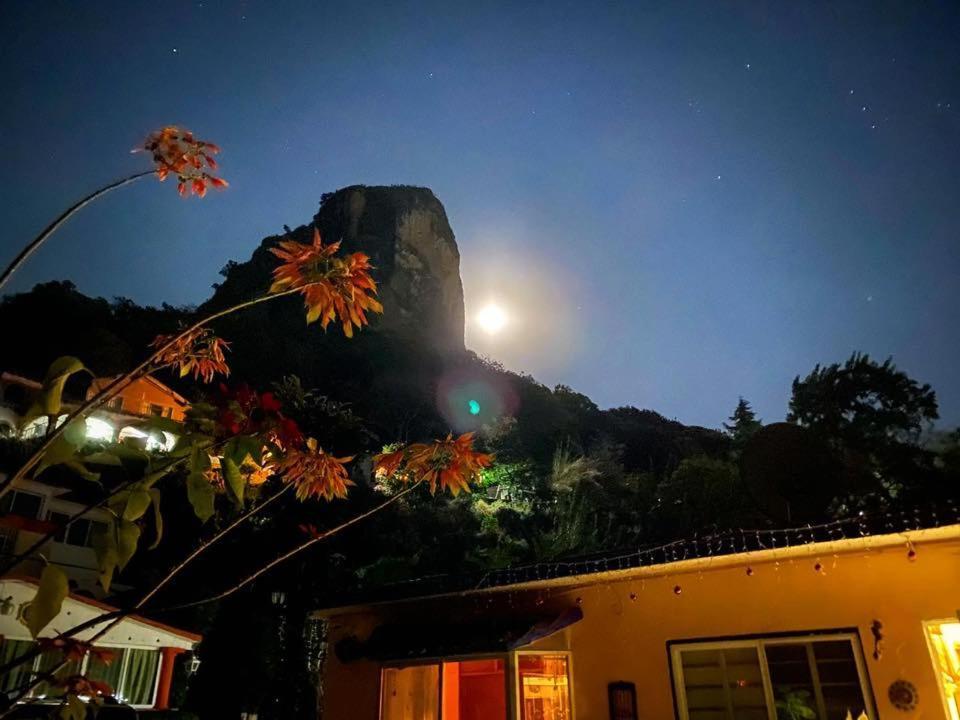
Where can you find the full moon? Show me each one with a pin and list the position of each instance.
(492, 319)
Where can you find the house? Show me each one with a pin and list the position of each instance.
(144, 651)
(850, 619)
(54, 521)
(121, 418)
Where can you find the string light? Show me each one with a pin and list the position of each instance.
(706, 547)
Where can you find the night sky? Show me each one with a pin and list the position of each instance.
(677, 203)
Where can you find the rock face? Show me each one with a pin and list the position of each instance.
(405, 232)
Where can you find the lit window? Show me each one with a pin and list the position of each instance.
(474, 690)
(36, 428)
(945, 645)
(98, 429)
(544, 687)
(410, 693)
(819, 677)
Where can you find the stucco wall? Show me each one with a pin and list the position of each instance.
(621, 638)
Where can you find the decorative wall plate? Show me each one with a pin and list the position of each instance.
(903, 694)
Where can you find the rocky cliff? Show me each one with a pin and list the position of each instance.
(405, 232)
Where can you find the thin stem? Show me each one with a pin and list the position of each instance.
(201, 548)
(52, 227)
(289, 554)
(121, 382)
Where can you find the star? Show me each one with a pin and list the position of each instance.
(747, 66)
(869, 298)
(174, 51)
(851, 92)
(430, 76)
(863, 109)
(718, 177)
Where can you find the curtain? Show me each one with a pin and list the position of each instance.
(110, 674)
(10, 649)
(141, 676)
(50, 660)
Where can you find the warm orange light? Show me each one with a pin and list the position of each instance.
(945, 643)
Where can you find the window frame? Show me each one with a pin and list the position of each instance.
(514, 707)
(511, 676)
(124, 663)
(41, 509)
(676, 647)
(934, 660)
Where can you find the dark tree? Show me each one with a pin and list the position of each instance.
(862, 403)
(743, 424)
(872, 415)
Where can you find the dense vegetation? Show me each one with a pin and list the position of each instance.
(570, 478)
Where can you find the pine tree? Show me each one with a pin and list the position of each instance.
(743, 424)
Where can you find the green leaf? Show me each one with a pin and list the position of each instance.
(128, 535)
(105, 546)
(138, 502)
(239, 448)
(234, 479)
(50, 400)
(155, 422)
(76, 433)
(103, 457)
(62, 452)
(152, 478)
(199, 459)
(45, 606)
(157, 517)
(200, 493)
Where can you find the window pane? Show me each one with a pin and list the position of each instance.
(410, 693)
(839, 679)
(20, 675)
(22, 503)
(140, 677)
(474, 690)
(544, 687)
(78, 532)
(108, 673)
(723, 684)
(791, 680)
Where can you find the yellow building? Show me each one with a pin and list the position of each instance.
(822, 623)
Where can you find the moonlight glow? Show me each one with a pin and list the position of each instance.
(492, 319)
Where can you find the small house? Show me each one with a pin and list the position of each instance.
(845, 620)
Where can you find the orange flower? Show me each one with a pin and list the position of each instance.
(452, 464)
(200, 352)
(177, 151)
(256, 473)
(315, 473)
(332, 287)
